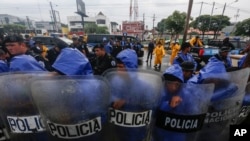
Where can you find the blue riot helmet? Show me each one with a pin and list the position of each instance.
(72, 62)
(174, 71)
(128, 57)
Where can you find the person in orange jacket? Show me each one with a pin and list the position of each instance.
(159, 53)
(196, 42)
(175, 47)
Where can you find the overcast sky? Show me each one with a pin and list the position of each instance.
(118, 10)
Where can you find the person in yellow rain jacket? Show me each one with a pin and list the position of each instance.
(41, 49)
(159, 53)
(196, 42)
(175, 47)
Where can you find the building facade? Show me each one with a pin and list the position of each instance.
(133, 28)
(75, 22)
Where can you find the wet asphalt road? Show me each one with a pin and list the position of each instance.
(150, 65)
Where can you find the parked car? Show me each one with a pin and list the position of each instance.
(202, 54)
(49, 41)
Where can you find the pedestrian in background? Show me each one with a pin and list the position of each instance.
(196, 42)
(151, 47)
(227, 43)
(175, 48)
(159, 54)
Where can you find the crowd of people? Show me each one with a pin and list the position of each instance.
(18, 54)
(101, 57)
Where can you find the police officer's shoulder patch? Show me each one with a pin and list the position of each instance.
(113, 63)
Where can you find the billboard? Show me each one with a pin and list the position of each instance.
(81, 8)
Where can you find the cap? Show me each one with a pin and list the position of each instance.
(187, 66)
(13, 38)
(98, 46)
(170, 77)
(61, 45)
(185, 45)
(224, 49)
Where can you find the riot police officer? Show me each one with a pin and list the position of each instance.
(20, 61)
(223, 57)
(103, 60)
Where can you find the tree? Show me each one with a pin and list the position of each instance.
(93, 28)
(243, 28)
(173, 24)
(215, 23)
(13, 27)
(102, 30)
(90, 28)
(218, 23)
(161, 26)
(202, 23)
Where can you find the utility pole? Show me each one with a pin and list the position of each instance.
(221, 20)
(153, 25)
(200, 12)
(54, 17)
(130, 11)
(211, 16)
(237, 15)
(143, 21)
(187, 20)
(201, 8)
(28, 22)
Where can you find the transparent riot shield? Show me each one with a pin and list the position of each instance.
(134, 97)
(18, 113)
(245, 109)
(72, 108)
(181, 111)
(225, 108)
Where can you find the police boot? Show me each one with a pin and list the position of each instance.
(159, 66)
(155, 66)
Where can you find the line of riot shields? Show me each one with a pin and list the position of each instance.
(121, 105)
